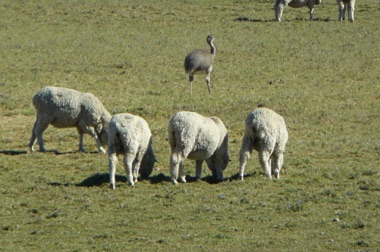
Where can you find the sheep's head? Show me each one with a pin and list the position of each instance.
(147, 163)
(102, 133)
(212, 162)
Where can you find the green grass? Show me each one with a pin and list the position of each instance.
(322, 76)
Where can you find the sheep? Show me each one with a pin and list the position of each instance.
(279, 6)
(199, 61)
(199, 138)
(65, 108)
(346, 6)
(130, 135)
(265, 131)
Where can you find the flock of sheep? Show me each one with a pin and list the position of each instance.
(190, 134)
(344, 6)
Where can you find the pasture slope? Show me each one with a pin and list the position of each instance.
(322, 76)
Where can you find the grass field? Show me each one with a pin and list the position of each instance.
(322, 76)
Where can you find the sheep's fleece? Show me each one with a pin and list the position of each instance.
(130, 135)
(199, 138)
(265, 131)
(64, 108)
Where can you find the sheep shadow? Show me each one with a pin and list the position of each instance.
(247, 19)
(13, 152)
(99, 179)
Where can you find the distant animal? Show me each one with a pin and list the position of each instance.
(265, 131)
(346, 6)
(200, 61)
(64, 108)
(130, 135)
(279, 6)
(199, 138)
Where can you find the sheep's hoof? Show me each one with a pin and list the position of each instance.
(112, 186)
(242, 178)
(175, 182)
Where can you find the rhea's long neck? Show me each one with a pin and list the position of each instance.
(213, 49)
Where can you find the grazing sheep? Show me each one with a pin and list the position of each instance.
(130, 135)
(346, 6)
(199, 61)
(199, 138)
(279, 6)
(65, 108)
(265, 131)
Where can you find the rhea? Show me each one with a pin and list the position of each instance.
(200, 61)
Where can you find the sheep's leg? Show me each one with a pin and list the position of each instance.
(37, 133)
(136, 168)
(174, 166)
(208, 78)
(351, 10)
(264, 157)
(33, 139)
(311, 11)
(341, 13)
(277, 162)
(344, 11)
(275, 9)
(112, 163)
(245, 153)
(198, 169)
(191, 79)
(128, 167)
(182, 175)
(279, 9)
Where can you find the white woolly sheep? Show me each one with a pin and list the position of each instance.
(199, 138)
(130, 135)
(279, 6)
(65, 108)
(265, 131)
(346, 6)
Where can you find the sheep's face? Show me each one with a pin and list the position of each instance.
(212, 162)
(102, 133)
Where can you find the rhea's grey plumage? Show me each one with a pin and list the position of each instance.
(200, 61)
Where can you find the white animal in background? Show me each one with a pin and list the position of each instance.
(130, 135)
(65, 108)
(346, 6)
(199, 138)
(279, 6)
(265, 131)
(200, 61)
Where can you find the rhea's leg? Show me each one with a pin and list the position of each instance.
(191, 79)
(208, 78)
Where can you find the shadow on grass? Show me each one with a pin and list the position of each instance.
(56, 152)
(247, 19)
(99, 179)
(13, 152)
